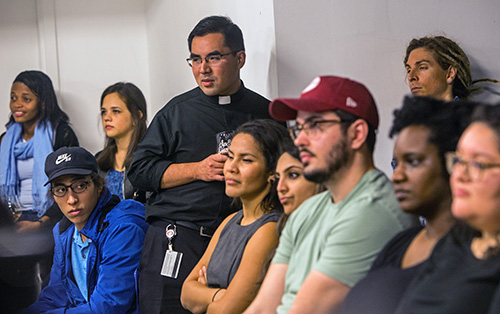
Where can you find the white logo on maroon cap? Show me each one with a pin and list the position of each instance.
(312, 85)
(349, 102)
(63, 157)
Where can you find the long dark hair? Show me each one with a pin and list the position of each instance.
(489, 115)
(293, 151)
(270, 136)
(41, 85)
(132, 96)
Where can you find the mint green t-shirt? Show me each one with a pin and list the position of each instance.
(339, 240)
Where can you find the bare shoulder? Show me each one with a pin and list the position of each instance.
(264, 239)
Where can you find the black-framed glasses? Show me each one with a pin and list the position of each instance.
(212, 59)
(310, 128)
(79, 186)
(473, 169)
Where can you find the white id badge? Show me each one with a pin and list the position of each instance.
(171, 264)
(172, 260)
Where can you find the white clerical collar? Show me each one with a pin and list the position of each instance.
(224, 100)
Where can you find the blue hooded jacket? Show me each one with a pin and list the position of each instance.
(117, 230)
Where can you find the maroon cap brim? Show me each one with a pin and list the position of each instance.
(284, 109)
(280, 109)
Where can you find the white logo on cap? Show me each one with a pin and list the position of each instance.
(63, 157)
(312, 85)
(349, 102)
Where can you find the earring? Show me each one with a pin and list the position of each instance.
(449, 81)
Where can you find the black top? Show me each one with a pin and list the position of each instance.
(453, 280)
(64, 136)
(184, 131)
(384, 285)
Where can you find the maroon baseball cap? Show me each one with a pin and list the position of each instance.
(326, 93)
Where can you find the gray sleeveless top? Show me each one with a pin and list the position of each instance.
(228, 252)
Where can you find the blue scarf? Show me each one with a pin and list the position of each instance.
(13, 147)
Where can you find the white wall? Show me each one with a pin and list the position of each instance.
(99, 44)
(366, 40)
(169, 24)
(84, 46)
(19, 48)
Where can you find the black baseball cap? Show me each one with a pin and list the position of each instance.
(69, 160)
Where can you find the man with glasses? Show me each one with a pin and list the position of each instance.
(330, 242)
(177, 161)
(97, 244)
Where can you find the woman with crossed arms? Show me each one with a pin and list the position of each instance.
(228, 276)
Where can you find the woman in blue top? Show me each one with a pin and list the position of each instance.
(227, 277)
(123, 116)
(37, 126)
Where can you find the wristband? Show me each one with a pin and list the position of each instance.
(213, 297)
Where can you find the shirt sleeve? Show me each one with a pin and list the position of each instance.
(495, 302)
(115, 289)
(152, 155)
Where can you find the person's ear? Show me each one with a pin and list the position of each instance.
(100, 187)
(241, 58)
(271, 178)
(452, 73)
(358, 132)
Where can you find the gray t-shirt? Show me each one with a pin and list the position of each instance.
(25, 173)
(226, 257)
